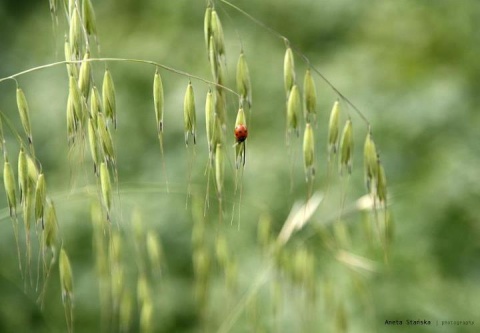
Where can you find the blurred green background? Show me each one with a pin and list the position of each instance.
(413, 69)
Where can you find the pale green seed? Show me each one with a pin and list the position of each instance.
(32, 170)
(240, 120)
(220, 107)
(288, 71)
(95, 104)
(309, 152)
(9, 182)
(309, 97)
(51, 226)
(72, 69)
(381, 183)
(109, 100)
(189, 114)
(346, 146)
(40, 199)
(105, 138)
(370, 161)
(24, 113)
(294, 107)
(333, 129)
(106, 186)
(244, 85)
(207, 27)
(72, 121)
(89, 19)
(158, 100)
(76, 100)
(75, 34)
(217, 33)
(66, 276)
(85, 76)
(22, 175)
(154, 251)
(92, 139)
(212, 56)
(210, 119)
(219, 168)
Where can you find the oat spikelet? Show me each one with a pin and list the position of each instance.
(51, 226)
(309, 153)
(72, 69)
(244, 86)
(189, 114)
(346, 147)
(89, 19)
(93, 142)
(370, 160)
(105, 138)
(32, 170)
(109, 100)
(381, 183)
(66, 283)
(207, 27)
(288, 71)
(95, 104)
(9, 182)
(22, 174)
(210, 119)
(309, 97)
(294, 107)
(217, 33)
(333, 128)
(75, 34)
(85, 76)
(24, 112)
(212, 56)
(106, 186)
(40, 199)
(158, 100)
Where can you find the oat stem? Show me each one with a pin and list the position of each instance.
(141, 61)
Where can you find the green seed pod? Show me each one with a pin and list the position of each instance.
(51, 226)
(212, 56)
(288, 71)
(346, 147)
(210, 118)
(22, 174)
(240, 120)
(220, 107)
(76, 100)
(207, 27)
(9, 182)
(370, 161)
(40, 199)
(244, 86)
(88, 15)
(75, 34)
(309, 97)
(32, 170)
(92, 139)
(381, 183)
(219, 168)
(106, 187)
(95, 104)
(309, 152)
(85, 76)
(158, 100)
(217, 33)
(66, 276)
(72, 69)
(294, 107)
(109, 101)
(24, 112)
(71, 120)
(333, 128)
(189, 114)
(105, 138)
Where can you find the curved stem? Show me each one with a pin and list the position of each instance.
(141, 61)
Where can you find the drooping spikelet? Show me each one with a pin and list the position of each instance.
(189, 114)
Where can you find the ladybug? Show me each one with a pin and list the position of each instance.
(241, 133)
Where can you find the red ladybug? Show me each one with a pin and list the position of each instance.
(241, 133)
